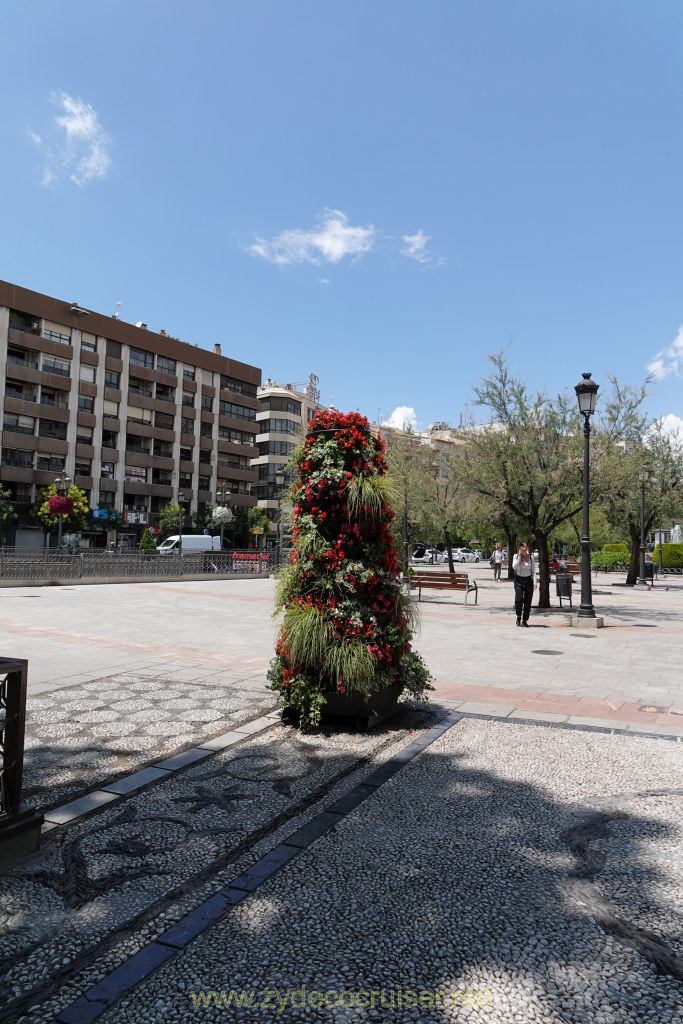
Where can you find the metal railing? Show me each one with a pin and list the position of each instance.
(47, 564)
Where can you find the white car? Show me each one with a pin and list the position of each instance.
(428, 556)
(465, 555)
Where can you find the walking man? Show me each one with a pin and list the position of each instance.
(524, 569)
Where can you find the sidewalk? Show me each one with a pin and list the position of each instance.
(506, 870)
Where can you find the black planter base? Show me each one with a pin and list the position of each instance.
(352, 710)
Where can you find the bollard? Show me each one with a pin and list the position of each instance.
(19, 823)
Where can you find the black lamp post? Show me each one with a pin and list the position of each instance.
(587, 394)
(279, 483)
(181, 498)
(62, 483)
(643, 476)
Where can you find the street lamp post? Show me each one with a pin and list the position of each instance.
(643, 477)
(661, 543)
(586, 393)
(181, 498)
(62, 483)
(279, 483)
(223, 496)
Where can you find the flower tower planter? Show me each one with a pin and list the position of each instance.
(345, 636)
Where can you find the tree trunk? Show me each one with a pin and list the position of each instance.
(543, 570)
(449, 549)
(511, 537)
(634, 566)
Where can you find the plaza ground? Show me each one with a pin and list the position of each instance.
(512, 854)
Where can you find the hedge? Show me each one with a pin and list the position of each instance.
(614, 548)
(672, 556)
(610, 561)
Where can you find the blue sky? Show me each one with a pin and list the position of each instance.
(376, 191)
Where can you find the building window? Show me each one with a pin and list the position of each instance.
(163, 450)
(187, 425)
(84, 435)
(110, 439)
(143, 388)
(113, 349)
(277, 403)
(161, 477)
(50, 428)
(204, 483)
(86, 373)
(237, 412)
(140, 358)
(85, 404)
(51, 364)
(83, 467)
(17, 457)
(204, 458)
(207, 377)
(136, 473)
(107, 470)
(51, 396)
(280, 426)
(112, 379)
(185, 479)
(88, 342)
(164, 393)
(206, 430)
(110, 408)
(207, 404)
(186, 455)
(19, 424)
(162, 419)
(188, 398)
(275, 447)
(50, 463)
(21, 357)
(63, 339)
(236, 436)
(241, 387)
(188, 373)
(136, 415)
(137, 444)
(166, 365)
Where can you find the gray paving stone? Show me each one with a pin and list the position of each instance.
(255, 726)
(76, 808)
(136, 781)
(182, 760)
(538, 716)
(226, 739)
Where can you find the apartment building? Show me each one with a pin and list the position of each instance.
(135, 418)
(282, 418)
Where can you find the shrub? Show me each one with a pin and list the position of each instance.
(614, 548)
(672, 556)
(346, 624)
(147, 542)
(610, 561)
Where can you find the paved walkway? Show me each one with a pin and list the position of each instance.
(458, 864)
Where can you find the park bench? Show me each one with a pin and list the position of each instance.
(443, 581)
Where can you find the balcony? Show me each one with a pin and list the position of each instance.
(56, 402)
(22, 396)
(22, 361)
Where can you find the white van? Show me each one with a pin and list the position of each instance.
(191, 543)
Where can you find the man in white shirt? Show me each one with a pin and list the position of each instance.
(524, 569)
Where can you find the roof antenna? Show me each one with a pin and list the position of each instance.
(117, 314)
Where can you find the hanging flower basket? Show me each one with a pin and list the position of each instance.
(60, 506)
(345, 636)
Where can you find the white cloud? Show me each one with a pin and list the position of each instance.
(416, 249)
(77, 147)
(669, 359)
(329, 242)
(672, 425)
(402, 418)
(323, 280)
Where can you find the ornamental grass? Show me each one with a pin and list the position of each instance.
(346, 625)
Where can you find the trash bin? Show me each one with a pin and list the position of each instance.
(650, 571)
(563, 582)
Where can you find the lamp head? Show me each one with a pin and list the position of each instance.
(586, 394)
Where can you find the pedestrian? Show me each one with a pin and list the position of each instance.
(524, 569)
(497, 562)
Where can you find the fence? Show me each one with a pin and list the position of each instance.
(45, 564)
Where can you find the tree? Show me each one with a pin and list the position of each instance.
(170, 518)
(72, 521)
(7, 513)
(147, 542)
(203, 517)
(248, 519)
(527, 461)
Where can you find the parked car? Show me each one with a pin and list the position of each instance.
(428, 556)
(465, 555)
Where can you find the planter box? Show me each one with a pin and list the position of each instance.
(367, 713)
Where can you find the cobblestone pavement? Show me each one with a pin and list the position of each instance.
(80, 736)
(509, 873)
